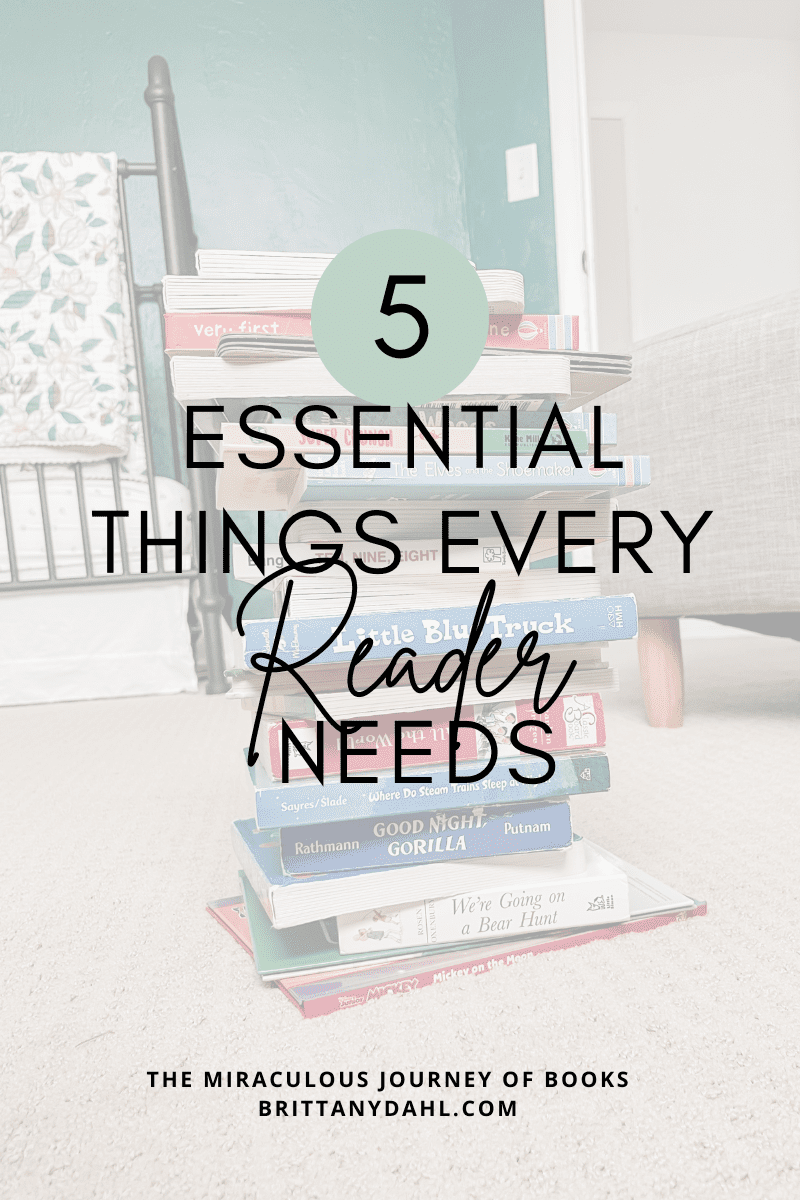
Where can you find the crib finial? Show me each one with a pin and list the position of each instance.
(159, 84)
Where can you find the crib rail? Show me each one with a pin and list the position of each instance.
(179, 246)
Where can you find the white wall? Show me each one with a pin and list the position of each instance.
(712, 148)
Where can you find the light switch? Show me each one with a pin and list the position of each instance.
(522, 173)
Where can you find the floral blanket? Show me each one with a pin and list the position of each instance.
(68, 389)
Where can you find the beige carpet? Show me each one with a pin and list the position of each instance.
(115, 834)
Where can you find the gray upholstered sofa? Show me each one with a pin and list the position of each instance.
(716, 405)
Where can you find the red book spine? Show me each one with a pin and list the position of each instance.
(202, 330)
(576, 722)
(530, 332)
(481, 964)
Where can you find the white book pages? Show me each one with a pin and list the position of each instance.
(285, 291)
(204, 378)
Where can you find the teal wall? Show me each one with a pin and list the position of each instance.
(501, 67)
(304, 124)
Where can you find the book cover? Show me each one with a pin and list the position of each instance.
(575, 721)
(597, 894)
(558, 623)
(310, 803)
(306, 950)
(482, 831)
(232, 915)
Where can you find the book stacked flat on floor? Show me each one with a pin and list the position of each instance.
(386, 869)
(526, 333)
(389, 847)
(195, 377)
(287, 282)
(306, 964)
(254, 336)
(505, 378)
(240, 329)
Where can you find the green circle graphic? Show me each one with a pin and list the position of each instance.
(347, 322)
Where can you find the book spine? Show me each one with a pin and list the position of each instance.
(202, 330)
(380, 440)
(288, 805)
(529, 332)
(253, 870)
(575, 721)
(432, 631)
(527, 418)
(416, 558)
(565, 903)
(394, 979)
(432, 478)
(498, 441)
(416, 837)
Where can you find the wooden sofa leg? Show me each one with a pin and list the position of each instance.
(661, 666)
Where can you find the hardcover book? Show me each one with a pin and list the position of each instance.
(575, 721)
(317, 995)
(421, 520)
(196, 377)
(307, 950)
(318, 979)
(261, 264)
(432, 480)
(232, 915)
(289, 291)
(482, 831)
(555, 895)
(524, 417)
(418, 558)
(303, 803)
(342, 706)
(328, 593)
(558, 623)
(383, 440)
(297, 899)
(201, 332)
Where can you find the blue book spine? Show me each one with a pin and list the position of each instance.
(555, 472)
(421, 837)
(437, 630)
(296, 804)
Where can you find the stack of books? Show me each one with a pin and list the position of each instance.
(244, 313)
(390, 848)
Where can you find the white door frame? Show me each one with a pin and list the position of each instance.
(569, 142)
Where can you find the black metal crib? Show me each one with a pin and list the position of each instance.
(180, 243)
